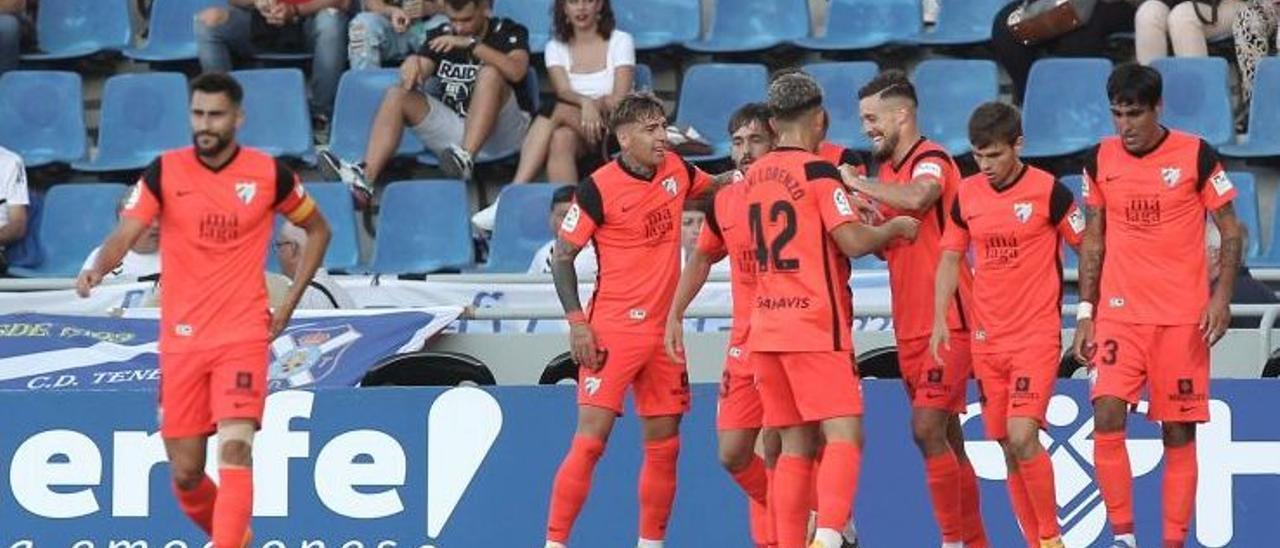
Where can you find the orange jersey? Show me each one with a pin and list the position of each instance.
(1016, 232)
(726, 232)
(1155, 270)
(635, 224)
(913, 266)
(217, 229)
(795, 199)
(839, 155)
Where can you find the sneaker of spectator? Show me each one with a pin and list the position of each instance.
(389, 30)
(352, 175)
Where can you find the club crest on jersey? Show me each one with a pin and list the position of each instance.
(246, 190)
(1170, 176)
(669, 184)
(1022, 210)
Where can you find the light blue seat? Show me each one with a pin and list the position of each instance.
(753, 25)
(1066, 109)
(949, 91)
(359, 94)
(423, 227)
(521, 226)
(1263, 138)
(76, 218)
(68, 29)
(840, 82)
(171, 31)
(143, 114)
(1196, 98)
(643, 79)
(962, 22)
(42, 116)
(276, 119)
(656, 24)
(1246, 206)
(709, 95)
(335, 203)
(866, 24)
(26, 252)
(535, 15)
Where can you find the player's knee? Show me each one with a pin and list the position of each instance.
(235, 453)
(186, 476)
(734, 458)
(929, 435)
(564, 142)
(213, 17)
(1178, 434)
(1109, 414)
(1024, 443)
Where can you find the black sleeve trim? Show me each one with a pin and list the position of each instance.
(710, 217)
(1091, 162)
(851, 157)
(690, 170)
(1060, 202)
(285, 179)
(151, 178)
(956, 216)
(1206, 160)
(590, 201)
(821, 169)
(931, 154)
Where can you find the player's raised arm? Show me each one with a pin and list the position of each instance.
(856, 240)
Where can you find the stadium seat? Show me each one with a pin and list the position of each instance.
(949, 91)
(42, 116)
(840, 82)
(26, 252)
(656, 24)
(335, 203)
(521, 226)
(709, 95)
(1196, 98)
(423, 227)
(76, 218)
(1263, 138)
(753, 25)
(1066, 108)
(535, 15)
(143, 114)
(869, 262)
(171, 31)
(68, 29)
(962, 22)
(1246, 206)
(276, 119)
(866, 24)
(643, 79)
(359, 94)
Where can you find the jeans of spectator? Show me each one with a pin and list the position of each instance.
(10, 41)
(372, 41)
(326, 37)
(1089, 40)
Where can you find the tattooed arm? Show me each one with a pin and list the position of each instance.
(1216, 318)
(582, 340)
(1092, 251)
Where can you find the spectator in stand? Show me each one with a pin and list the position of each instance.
(389, 30)
(1255, 37)
(1188, 24)
(13, 201)
(323, 292)
(249, 26)
(474, 69)
(1090, 40)
(17, 30)
(141, 261)
(1247, 289)
(585, 262)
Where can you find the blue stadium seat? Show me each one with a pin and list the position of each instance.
(840, 82)
(171, 31)
(335, 203)
(962, 22)
(42, 116)
(76, 218)
(869, 262)
(423, 227)
(521, 226)
(68, 29)
(1066, 108)
(656, 24)
(1196, 98)
(1263, 139)
(359, 94)
(709, 95)
(276, 119)
(754, 25)
(866, 24)
(535, 15)
(26, 252)
(1246, 206)
(949, 91)
(143, 114)
(643, 79)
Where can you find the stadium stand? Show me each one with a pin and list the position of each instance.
(1196, 97)
(709, 95)
(409, 242)
(866, 24)
(533, 14)
(42, 116)
(359, 94)
(949, 90)
(521, 228)
(1066, 110)
(962, 22)
(1263, 138)
(170, 32)
(74, 219)
(276, 119)
(658, 24)
(70, 29)
(142, 116)
(840, 81)
(334, 201)
(753, 25)
(1246, 206)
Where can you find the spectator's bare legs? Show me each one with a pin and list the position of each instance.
(490, 93)
(561, 136)
(562, 162)
(533, 153)
(399, 107)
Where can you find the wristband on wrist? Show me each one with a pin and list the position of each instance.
(1084, 311)
(577, 317)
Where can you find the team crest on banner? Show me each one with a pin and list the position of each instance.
(246, 190)
(1022, 210)
(1170, 176)
(306, 355)
(670, 185)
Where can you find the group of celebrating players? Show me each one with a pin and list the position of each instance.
(976, 276)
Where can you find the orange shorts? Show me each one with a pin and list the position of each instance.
(1030, 371)
(199, 389)
(661, 386)
(929, 384)
(739, 406)
(1171, 360)
(800, 387)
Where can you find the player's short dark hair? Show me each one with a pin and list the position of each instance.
(889, 84)
(793, 93)
(749, 113)
(562, 29)
(993, 123)
(218, 82)
(1134, 84)
(462, 4)
(636, 106)
(563, 195)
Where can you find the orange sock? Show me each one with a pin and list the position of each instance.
(793, 479)
(1021, 502)
(1037, 474)
(837, 483)
(572, 483)
(755, 483)
(1115, 479)
(975, 535)
(233, 507)
(657, 486)
(771, 515)
(1180, 474)
(943, 473)
(813, 488)
(197, 503)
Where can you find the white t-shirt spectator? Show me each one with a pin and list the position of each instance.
(133, 266)
(324, 293)
(13, 185)
(584, 264)
(622, 52)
